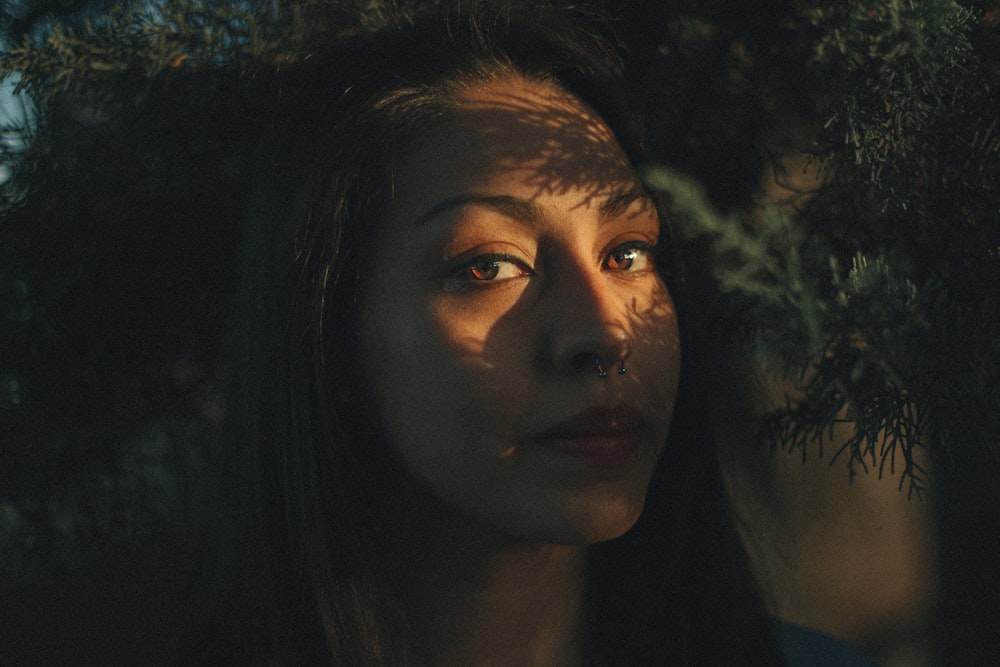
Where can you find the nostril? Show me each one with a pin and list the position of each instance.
(593, 347)
(587, 361)
(598, 364)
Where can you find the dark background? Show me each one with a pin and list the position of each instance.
(119, 245)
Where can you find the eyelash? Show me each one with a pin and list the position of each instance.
(489, 265)
(465, 276)
(491, 262)
(633, 248)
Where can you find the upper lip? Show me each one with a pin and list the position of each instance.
(596, 421)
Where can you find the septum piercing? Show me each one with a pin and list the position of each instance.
(603, 373)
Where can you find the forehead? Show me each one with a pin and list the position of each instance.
(513, 136)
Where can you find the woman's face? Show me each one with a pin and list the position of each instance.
(517, 251)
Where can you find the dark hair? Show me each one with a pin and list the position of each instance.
(293, 560)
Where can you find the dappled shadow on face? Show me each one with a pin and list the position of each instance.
(552, 162)
(538, 142)
(652, 353)
(498, 284)
(544, 139)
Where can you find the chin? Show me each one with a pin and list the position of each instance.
(582, 522)
(608, 526)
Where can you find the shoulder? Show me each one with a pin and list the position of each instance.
(805, 647)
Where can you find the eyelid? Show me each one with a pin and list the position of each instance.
(455, 280)
(467, 261)
(648, 248)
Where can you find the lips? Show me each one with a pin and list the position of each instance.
(601, 436)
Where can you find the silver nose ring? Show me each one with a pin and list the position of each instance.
(603, 373)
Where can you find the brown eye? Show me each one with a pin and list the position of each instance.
(620, 259)
(487, 269)
(484, 269)
(630, 257)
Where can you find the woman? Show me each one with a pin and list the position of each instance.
(457, 373)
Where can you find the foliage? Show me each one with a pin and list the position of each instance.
(846, 333)
(875, 286)
(903, 66)
(858, 287)
(140, 44)
(127, 178)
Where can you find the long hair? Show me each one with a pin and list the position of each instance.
(292, 577)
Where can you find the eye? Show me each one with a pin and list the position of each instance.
(487, 268)
(636, 256)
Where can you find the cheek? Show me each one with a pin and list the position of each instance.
(657, 340)
(435, 391)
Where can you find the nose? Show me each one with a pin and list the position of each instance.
(590, 331)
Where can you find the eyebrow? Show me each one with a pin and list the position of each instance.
(525, 210)
(620, 201)
(513, 207)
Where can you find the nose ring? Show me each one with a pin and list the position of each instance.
(603, 373)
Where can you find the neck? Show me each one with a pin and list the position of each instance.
(473, 597)
(519, 607)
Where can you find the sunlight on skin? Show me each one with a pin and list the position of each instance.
(547, 141)
(518, 247)
(525, 173)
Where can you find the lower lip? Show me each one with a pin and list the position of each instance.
(598, 450)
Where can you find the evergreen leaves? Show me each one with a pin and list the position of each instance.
(873, 285)
(847, 336)
(903, 65)
(132, 45)
(875, 290)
